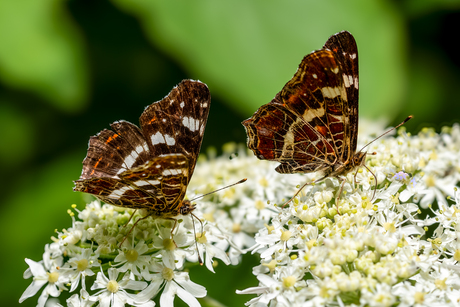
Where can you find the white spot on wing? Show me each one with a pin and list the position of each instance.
(141, 183)
(169, 140)
(130, 159)
(347, 80)
(142, 148)
(118, 193)
(191, 123)
(204, 105)
(313, 113)
(332, 92)
(157, 138)
(182, 104)
(172, 171)
(315, 76)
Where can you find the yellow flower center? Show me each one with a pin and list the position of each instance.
(82, 264)
(201, 237)
(430, 181)
(457, 255)
(419, 297)
(390, 227)
(441, 284)
(236, 228)
(131, 255)
(169, 245)
(263, 182)
(53, 277)
(259, 205)
(269, 228)
(271, 265)
(286, 235)
(167, 274)
(112, 286)
(289, 281)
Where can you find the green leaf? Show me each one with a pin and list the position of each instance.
(247, 50)
(41, 51)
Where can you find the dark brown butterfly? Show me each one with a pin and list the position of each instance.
(312, 124)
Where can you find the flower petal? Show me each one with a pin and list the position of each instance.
(195, 289)
(36, 268)
(32, 289)
(188, 298)
(167, 297)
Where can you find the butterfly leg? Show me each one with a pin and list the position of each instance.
(354, 178)
(196, 239)
(301, 188)
(344, 179)
(132, 228)
(173, 228)
(130, 218)
(375, 177)
(196, 244)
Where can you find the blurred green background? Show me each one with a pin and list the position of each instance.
(70, 68)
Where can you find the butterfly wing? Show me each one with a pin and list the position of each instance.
(345, 50)
(158, 185)
(112, 152)
(149, 168)
(303, 127)
(176, 123)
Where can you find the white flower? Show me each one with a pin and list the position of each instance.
(173, 283)
(79, 267)
(133, 259)
(381, 296)
(114, 292)
(46, 273)
(82, 300)
(205, 239)
(328, 247)
(173, 250)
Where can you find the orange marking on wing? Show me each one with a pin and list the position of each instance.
(95, 165)
(295, 96)
(153, 119)
(111, 138)
(321, 129)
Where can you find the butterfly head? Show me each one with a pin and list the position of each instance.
(358, 159)
(187, 207)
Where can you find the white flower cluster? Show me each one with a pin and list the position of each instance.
(148, 261)
(360, 249)
(385, 243)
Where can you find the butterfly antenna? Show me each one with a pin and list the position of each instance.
(385, 133)
(231, 185)
(404, 121)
